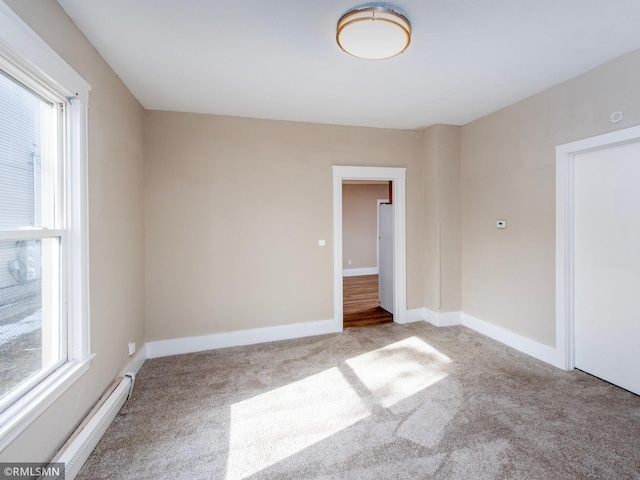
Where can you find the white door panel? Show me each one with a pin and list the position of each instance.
(607, 264)
(385, 256)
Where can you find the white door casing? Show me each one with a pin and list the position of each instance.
(398, 177)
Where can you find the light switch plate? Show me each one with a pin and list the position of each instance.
(501, 224)
(321, 243)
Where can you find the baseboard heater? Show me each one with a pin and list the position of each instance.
(77, 449)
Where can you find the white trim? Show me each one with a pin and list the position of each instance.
(369, 173)
(525, 345)
(77, 238)
(448, 319)
(415, 315)
(564, 257)
(338, 295)
(398, 177)
(31, 234)
(356, 272)
(136, 362)
(25, 48)
(84, 440)
(178, 346)
(564, 232)
(432, 317)
(19, 416)
(165, 348)
(443, 319)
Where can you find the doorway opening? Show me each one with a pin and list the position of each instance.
(397, 267)
(367, 278)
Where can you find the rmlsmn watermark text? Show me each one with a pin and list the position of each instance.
(24, 470)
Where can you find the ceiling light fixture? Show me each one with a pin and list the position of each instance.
(373, 32)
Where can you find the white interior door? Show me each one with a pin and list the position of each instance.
(385, 256)
(607, 264)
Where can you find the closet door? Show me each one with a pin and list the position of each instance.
(607, 264)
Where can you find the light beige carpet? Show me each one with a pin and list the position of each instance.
(392, 401)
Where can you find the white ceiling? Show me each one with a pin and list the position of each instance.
(278, 59)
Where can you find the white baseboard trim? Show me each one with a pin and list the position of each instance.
(443, 319)
(525, 345)
(164, 348)
(136, 362)
(177, 346)
(432, 317)
(356, 272)
(449, 319)
(415, 315)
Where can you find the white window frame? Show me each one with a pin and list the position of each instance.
(24, 53)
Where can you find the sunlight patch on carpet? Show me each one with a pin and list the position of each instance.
(400, 370)
(273, 426)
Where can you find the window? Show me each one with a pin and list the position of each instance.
(44, 342)
(32, 335)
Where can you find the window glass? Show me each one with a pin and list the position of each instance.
(23, 122)
(31, 332)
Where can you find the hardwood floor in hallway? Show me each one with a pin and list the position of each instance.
(360, 302)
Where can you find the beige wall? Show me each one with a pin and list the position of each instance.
(234, 211)
(116, 200)
(508, 172)
(442, 270)
(360, 224)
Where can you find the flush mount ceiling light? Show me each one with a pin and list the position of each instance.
(373, 32)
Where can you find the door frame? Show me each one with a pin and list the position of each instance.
(565, 281)
(398, 178)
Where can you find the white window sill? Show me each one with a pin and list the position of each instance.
(22, 413)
